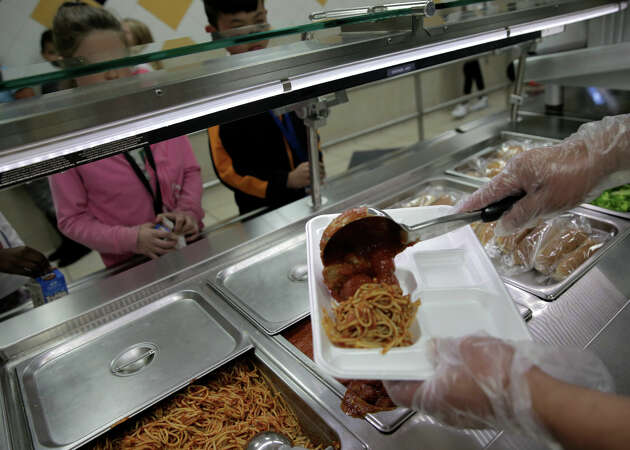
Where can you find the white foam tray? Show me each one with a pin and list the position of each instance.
(460, 291)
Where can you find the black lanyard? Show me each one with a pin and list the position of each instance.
(158, 206)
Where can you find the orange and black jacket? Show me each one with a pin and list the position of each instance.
(253, 159)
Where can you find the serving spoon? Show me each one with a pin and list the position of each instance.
(269, 440)
(367, 225)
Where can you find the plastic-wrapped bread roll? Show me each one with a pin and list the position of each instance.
(494, 167)
(433, 195)
(484, 231)
(507, 151)
(474, 168)
(553, 249)
(511, 150)
(508, 244)
(423, 200)
(446, 199)
(571, 261)
(529, 245)
(554, 229)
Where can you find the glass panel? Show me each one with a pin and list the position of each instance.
(16, 77)
(464, 10)
(42, 73)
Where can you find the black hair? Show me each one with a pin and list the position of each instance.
(47, 38)
(215, 7)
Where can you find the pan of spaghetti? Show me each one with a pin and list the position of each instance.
(376, 304)
(224, 410)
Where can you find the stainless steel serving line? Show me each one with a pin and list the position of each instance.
(612, 212)
(123, 367)
(169, 321)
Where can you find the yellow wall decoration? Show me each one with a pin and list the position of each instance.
(168, 11)
(45, 11)
(322, 2)
(177, 42)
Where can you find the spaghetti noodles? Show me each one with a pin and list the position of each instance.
(224, 413)
(377, 315)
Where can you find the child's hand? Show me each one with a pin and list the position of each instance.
(299, 177)
(184, 224)
(154, 243)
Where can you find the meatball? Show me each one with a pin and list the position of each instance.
(353, 283)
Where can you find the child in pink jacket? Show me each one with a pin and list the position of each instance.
(105, 206)
(113, 205)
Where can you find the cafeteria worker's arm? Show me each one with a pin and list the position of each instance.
(548, 393)
(557, 178)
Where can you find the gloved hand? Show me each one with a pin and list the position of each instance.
(559, 177)
(481, 381)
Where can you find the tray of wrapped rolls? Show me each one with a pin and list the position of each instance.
(490, 161)
(543, 260)
(550, 256)
(433, 192)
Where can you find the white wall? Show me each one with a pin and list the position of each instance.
(19, 34)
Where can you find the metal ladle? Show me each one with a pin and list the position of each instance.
(268, 440)
(375, 225)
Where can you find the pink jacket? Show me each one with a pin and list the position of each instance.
(101, 204)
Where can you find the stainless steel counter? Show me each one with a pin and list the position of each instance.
(577, 317)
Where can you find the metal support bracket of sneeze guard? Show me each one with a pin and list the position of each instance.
(418, 11)
(516, 98)
(424, 7)
(314, 113)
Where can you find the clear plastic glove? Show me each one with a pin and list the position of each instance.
(559, 177)
(481, 381)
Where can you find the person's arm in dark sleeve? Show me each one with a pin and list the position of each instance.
(278, 184)
(224, 167)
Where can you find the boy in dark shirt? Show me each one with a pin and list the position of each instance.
(263, 158)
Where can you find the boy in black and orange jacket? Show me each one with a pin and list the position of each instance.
(253, 156)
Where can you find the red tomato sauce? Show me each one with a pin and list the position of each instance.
(373, 264)
(364, 252)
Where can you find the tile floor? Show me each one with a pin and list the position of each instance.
(218, 201)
